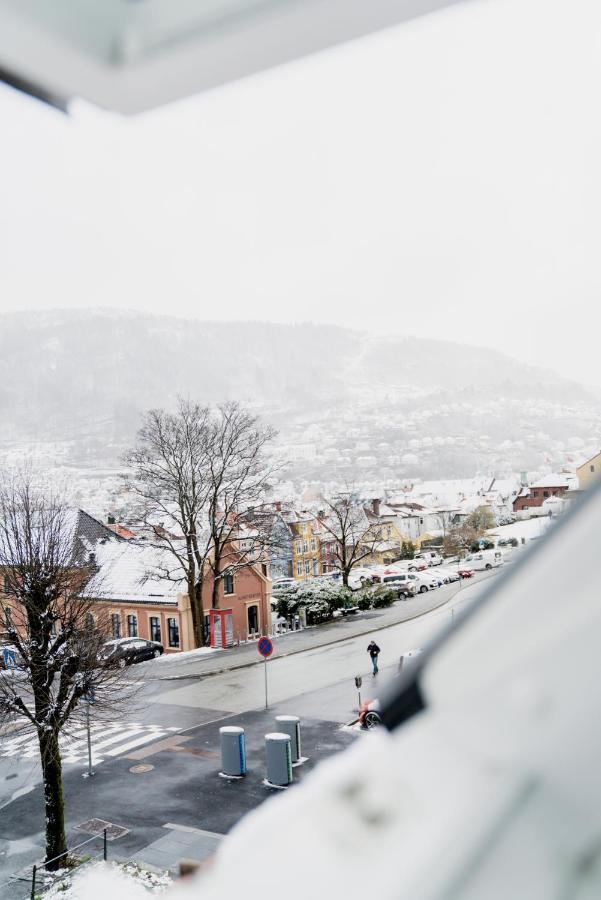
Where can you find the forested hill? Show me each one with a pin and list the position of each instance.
(66, 372)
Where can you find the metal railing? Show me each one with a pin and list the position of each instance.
(38, 867)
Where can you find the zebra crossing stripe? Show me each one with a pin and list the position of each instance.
(135, 743)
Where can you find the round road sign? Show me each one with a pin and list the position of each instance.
(265, 647)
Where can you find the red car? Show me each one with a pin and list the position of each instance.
(465, 572)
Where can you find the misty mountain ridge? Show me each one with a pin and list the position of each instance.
(77, 375)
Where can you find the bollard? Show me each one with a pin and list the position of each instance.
(279, 759)
(233, 751)
(291, 725)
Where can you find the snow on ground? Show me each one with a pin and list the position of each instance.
(526, 528)
(99, 880)
(186, 654)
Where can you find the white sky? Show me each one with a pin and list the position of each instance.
(440, 179)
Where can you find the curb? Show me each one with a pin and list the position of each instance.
(337, 640)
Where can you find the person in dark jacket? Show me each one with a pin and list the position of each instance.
(373, 651)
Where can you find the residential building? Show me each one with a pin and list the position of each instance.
(306, 552)
(588, 473)
(529, 500)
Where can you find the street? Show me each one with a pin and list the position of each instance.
(172, 729)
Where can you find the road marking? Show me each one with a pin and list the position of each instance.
(193, 830)
(118, 736)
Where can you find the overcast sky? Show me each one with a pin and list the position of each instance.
(439, 179)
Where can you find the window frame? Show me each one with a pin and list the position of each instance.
(132, 619)
(116, 625)
(228, 583)
(173, 627)
(151, 620)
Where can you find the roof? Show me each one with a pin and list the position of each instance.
(551, 481)
(131, 572)
(130, 57)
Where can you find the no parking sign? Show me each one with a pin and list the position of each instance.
(265, 648)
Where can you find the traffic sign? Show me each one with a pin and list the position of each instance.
(265, 647)
(10, 657)
(358, 681)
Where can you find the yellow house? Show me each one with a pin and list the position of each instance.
(589, 472)
(306, 548)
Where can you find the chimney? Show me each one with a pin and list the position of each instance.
(375, 505)
(278, 506)
(92, 559)
(111, 520)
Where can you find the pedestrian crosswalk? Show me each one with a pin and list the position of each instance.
(108, 741)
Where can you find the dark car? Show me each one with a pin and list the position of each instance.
(125, 651)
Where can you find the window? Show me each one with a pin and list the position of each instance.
(546, 493)
(132, 626)
(173, 629)
(315, 567)
(89, 621)
(155, 628)
(299, 546)
(299, 568)
(313, 544)
(305, 546)
(228, 583)
(116, 625)
(307, 567)
(6, 585)
(8, 616)
(592, 468)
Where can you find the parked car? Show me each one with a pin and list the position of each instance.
(448, 575)
(126, 651)
(417, 565)
(484, 559)
(425, 581)
(464, 571)
(430, 557)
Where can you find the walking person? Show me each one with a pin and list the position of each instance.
(373, 651)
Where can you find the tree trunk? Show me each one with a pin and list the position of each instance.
(195, 595)
(216, 579)
(345, 577)
(56, 841)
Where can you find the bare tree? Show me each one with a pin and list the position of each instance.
(239, 472)
(56, 640)
(171, 477)
(353, 536)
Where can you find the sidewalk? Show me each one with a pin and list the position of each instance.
(309, 638)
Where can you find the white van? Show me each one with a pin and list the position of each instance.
(432, 557)
(484, 559)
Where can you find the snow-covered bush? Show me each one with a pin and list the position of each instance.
(318, 598)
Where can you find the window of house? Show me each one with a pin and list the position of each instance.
(228, 583)
(305, 546)
(299, 568)
(132, 626)
(8, 616)
(592, 468)
(546, 493)
(313, 544)
(89, 621)
(116, 625)
(315, 567)
(155, 628)
(299, 546)
(173, 629)
(535, 493)
(6, 585)
(307, 567)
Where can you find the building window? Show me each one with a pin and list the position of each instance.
(8, 616)
(299, 546)
(546, 493)
(313, 545)
(173, 629)
(307, 567)
(305, 547)
(89, 621)
(228, 583)
(116, 625)
(155, 629)
(6, 585)
(299, 568)
(592, 468)
(132, 626)
(315, 567)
